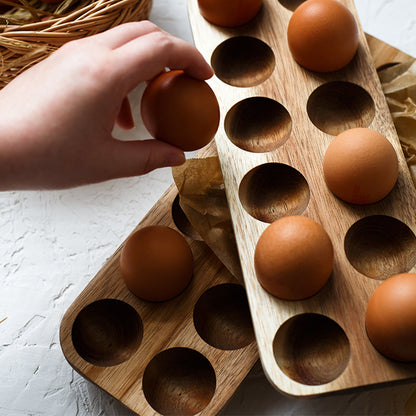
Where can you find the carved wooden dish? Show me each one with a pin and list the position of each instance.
(184, 356)
(277, 121)
(190, 354)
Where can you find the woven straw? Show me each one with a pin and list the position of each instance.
(32, 30)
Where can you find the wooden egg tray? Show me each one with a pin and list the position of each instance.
(183, 356)
(277, 121)
(115, 347)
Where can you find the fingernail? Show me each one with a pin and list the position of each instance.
(211, 71)
(176, 159)
(208, 72)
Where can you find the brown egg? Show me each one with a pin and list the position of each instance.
(360, 166)
(293, 258)
(229, 13)
(322, 35)
(156, 263)
(180, 110)
(391, 317)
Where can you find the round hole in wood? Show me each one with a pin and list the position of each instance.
(179, 381)
(291, 4)
(339, 105)
(181, 221)
(107, 332)
(222, 317)
(243, 61)
(311, 349)
(380, 246)
(258, 124)
(274, 190)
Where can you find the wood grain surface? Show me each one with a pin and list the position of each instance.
(95, 335)
(117, 335)
(318, 345)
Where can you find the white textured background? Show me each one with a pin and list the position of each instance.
(53, 243)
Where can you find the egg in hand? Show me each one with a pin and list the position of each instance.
(180, 110)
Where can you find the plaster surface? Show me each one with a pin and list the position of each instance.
(53, 243)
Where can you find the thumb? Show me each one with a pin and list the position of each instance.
(139, 157)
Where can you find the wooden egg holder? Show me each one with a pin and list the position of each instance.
(183, 356)
(277, 121)
(115, 347)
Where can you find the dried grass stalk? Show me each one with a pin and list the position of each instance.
(31, 30)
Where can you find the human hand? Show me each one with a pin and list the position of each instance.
(57, 117)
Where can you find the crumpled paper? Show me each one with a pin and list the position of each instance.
(399, 87)
(203, 200)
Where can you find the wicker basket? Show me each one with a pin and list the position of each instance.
(31, 30)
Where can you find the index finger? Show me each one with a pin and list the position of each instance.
(121, 34)
(147, 56)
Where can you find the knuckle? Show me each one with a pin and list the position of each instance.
(148, 26)
(163, 41)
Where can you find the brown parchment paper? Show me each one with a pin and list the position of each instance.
(203, 200)
(399, 86)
